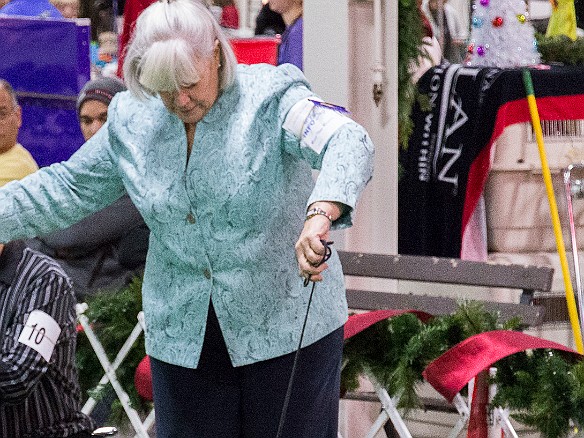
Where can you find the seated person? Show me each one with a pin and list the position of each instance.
(107, 249)
(39, 390)
(15, 161)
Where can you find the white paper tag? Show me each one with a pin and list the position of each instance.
(320, 125)
(314, 122)
(40, 333)
(297, 115)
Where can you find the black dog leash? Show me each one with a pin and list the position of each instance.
(325, 257)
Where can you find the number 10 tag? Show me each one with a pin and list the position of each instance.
(40, 333)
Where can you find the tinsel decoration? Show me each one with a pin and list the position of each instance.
(505, 40)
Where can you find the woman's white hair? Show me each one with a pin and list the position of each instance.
(171, 40)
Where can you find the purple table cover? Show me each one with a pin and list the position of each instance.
(47, 63)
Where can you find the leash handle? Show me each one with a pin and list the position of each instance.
(327, 254)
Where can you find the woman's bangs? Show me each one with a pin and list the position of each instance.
(167, 66)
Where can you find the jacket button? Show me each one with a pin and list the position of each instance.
(207, 274)
(191, 218)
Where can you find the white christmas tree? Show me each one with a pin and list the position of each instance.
(501, 35)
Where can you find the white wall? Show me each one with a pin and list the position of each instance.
(338, 61)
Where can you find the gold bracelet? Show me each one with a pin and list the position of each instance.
(317, 211)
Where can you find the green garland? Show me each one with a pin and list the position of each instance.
(409, 51)
(543, 389)
(112, 315)
(560, 49)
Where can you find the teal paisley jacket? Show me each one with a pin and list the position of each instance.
(223, 223)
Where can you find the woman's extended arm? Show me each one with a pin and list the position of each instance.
(61, 194)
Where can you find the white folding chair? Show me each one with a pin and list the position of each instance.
(388, 412)
(141, 428)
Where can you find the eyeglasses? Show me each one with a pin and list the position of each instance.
(6, 112)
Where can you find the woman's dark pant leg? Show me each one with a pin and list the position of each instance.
(314, 405)
(202, 402)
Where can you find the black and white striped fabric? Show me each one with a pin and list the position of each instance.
(37, 398)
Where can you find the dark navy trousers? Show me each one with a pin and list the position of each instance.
(217, 400)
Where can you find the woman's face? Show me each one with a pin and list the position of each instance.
(193, 101)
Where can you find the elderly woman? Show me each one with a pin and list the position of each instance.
(217, 158)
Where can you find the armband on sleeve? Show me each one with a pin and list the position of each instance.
(314, 122)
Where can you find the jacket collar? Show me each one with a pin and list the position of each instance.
(9, 259)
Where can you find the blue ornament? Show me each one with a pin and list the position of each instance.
(477, 22)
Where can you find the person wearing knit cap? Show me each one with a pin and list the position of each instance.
(93, 101)
(107, 249)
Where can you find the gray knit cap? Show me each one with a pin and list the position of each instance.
(102, 89)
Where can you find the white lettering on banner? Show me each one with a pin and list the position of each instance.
(489, 79)
(455, 155)
(40, 333)
(460, 117)
(424, 157)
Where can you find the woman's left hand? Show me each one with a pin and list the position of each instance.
(310, 251)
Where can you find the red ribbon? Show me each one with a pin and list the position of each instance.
(449, 373)
(359, 322)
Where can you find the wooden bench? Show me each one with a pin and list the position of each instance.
(528, 279)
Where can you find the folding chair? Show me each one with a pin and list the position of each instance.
(141, 428)
(389, 412)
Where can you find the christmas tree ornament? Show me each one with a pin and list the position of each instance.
(507, 39)
(498, 21)
(477, 21)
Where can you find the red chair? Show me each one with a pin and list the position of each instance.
(256, 50)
